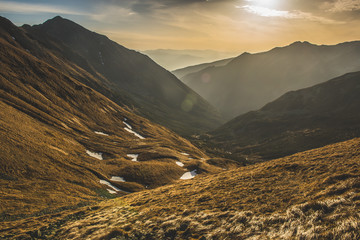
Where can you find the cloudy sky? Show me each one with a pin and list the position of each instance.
(223, 25)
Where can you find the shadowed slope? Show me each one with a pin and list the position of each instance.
(297, 121)
(59, 137)
(252, 80)
(154, 92)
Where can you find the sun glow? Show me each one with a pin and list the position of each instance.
(264, 3)
(265, 8)
(266, 12)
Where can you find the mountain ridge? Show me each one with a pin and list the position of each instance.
(297, 121)
(240, 86)
(182, 72)
(65, 145)
(153, 92)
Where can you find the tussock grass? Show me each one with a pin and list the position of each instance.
(310, 195)
(48, 120)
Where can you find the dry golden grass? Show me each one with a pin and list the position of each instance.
(50, 189)
(310, 195)
(48, 120)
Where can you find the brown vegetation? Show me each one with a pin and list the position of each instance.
(49, 121)
(310, 195)
(60, 137)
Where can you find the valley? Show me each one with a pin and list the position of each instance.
(62, 140)
(97, 141)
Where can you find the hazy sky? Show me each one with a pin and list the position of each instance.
(226, 25)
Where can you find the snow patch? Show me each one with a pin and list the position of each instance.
(117, 179)
(186, 154)
(111, 191)
(133, 157)
(127, 125)
(179, 163)
(95, 155)
(110, 185)
(189, 175)
(135, 133)
(101, 133)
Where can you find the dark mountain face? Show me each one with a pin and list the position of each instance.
(251, 80)
(126, 74)
(297, 121)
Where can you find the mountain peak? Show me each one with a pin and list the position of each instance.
(56, 20)
(300, 43)
(63, 24)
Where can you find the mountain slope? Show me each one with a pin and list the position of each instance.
(62, 143)
(297, 121)
(252, 80)
(310, 195)
(182, 72)
(126, 74)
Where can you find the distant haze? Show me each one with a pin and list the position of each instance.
(175, 59)
(252, 80)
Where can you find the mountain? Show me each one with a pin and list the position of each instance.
(252, 80)
(182, 72)
(297, 121)
(310, 195)
(127, 77)
(174, 59)
(64, 145)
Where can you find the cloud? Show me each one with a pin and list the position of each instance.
(217, 24)
(151, 6)
(18, 7)
(293, 14)
(342, 6)
(266, 12)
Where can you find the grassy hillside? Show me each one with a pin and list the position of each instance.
(310, 195)
(61, 140)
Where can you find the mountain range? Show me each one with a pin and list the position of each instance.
(297, 121)
(63, 143)
(251, 80)
(99, 142)
(172, 59)
(182, 72)
(152, 92)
